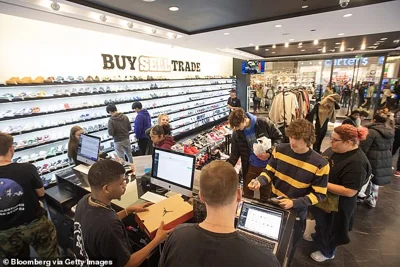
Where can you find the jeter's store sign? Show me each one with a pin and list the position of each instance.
(148, 64)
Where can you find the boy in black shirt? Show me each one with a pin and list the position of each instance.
(215, 242)
(23, 221)
(233, 101)
(99, 233)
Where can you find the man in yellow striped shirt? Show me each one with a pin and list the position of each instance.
(297, 173)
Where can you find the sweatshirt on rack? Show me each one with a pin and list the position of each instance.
(276, 113)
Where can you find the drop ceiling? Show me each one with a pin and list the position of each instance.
(197, 16)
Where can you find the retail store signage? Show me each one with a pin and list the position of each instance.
(148, 64)
(347, 62)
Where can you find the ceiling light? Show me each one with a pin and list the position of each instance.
(129, 25)
(350, 49)
(103, 18)
(173, 8)
(154, 31)
(286, 45)
(278, 26)
(342, 48)
(55, 6)
(251, 44)
(291, 40)
(383, 39)
(300, 44)
(337, 43)
(376, 43)
(273, 46)
(324, 49)
(319, 49)
(226, 33)
(347, 15)
(341, 34)
(363, 46)
(310, 63)
(316, 41)
(266, 49)
(149, 1)
(273, 52)
(303, 50)
(257, 47)
(396, 41)
(304, 7)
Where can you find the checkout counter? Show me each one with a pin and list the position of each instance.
(73, 185)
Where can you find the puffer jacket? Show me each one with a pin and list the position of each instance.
(240, 147)
(377, 147)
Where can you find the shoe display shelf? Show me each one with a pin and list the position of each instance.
(41, 125)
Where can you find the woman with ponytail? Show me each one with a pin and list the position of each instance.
(349, 170)
(378, 148)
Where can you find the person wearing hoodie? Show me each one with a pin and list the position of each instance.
(119, 127)
(160, 136)
(142, 123)
(247, 128)
(378, 147)
(353, 119)
(324, 113)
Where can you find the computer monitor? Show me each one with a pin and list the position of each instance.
(173, 171)
(88, 149)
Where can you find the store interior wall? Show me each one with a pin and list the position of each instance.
(241, 83)
(35, 48)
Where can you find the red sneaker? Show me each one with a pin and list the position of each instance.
(188, 151)
(194, 150)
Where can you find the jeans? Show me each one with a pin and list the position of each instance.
(123, 149)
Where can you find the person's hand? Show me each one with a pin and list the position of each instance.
(161, 234)
(139, 208)
(133, 168)
(229, 106)
(286, 203)
(254, 185)
(263, 156)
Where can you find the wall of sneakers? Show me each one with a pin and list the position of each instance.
(40, 116)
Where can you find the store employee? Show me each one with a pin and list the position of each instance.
(99, 233)
(233, 101)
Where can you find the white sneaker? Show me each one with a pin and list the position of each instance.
(370, 201)
(319, 257)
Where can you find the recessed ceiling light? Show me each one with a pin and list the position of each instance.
(273, 52)
(226, 33)
(257, 47)
(251, 44)
(173, 8)
(347, 15)
(337, 43)
(300, 44)
(149, 1)
(266, 49)
(273, 46)
(303, 50)
(278, 26)
(376, 43)
(341, 34)
(103, 18)
(55, 6)
(286, 45)
(316, 42)
(383, 39)
(291, 40)
(396, 41)
(304, 7)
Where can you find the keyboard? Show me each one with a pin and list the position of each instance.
(260, 241)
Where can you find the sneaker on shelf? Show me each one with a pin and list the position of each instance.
(319, 257)
(188, 151)
(194, 149)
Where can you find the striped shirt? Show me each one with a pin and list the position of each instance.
(300, 177)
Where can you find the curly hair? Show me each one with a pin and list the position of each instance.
(237, 117)
(301, 129)
(350, 133)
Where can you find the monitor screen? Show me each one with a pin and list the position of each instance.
(88, 149)
(253, 67)
(260, 220)
(173, 170)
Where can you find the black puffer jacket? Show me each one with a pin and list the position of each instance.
(378, 148)
(240, 148)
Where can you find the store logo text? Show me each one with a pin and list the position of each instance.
(347, 62)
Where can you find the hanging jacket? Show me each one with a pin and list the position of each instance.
(167, 143)
(142, 123)
(377, 147)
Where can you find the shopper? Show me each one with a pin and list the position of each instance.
(258, 96)
(397, 92)
(353, 119)
(142, 123)
(73, 142)
(23, 222)
(346, 92)
(377, 147)
(215, 242)
(349, 171)
(247, 128)
(99, 233)
(368, 99)
(233, 100)
(323, 112)
(328, 92)
(119, 128)
(160, 137)
(297, 173)
(396, 142)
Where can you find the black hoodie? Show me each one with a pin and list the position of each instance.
(119, 127)
(378, 147)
